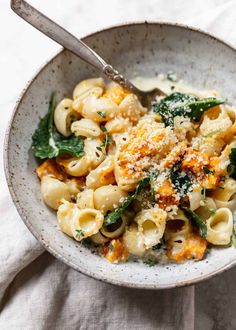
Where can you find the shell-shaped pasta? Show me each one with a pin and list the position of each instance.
(99, 239)
(183, 128)
(99, 109)
(102, 175)
(195, 198)
(86, 85)
(220, 227)
(124, 182)
(118, 125)
(226, 197)
(94, 152)
(231, 204)
(131, 108)
(115, 92)
(218, 126)
(65, 215)
(75, 185)
(211, 146)
(232, 130)
(115, 230)
(86, 223)
(179, 225)
(86, 127)
(134, 241)
(152, 117)
(151, 223)
(176, 243)
(63, 116)
(226, 193)
(75, 166)
(207, 209)
(107, 198)
(224, 157)
(78, 103)
(85, 199)
(54, 191)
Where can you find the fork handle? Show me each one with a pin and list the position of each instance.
(67, 40)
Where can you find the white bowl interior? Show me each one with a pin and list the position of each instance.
(144, 50)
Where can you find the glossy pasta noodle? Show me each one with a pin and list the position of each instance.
(152, 183)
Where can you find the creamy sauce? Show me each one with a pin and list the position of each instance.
(168, 86)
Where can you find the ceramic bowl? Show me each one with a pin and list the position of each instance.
(135, 49)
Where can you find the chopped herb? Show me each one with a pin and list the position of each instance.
(179, 104)
(220, 187)
(107, 141)
(150, 262)
(114, 216)
(102, 114)
(158, 246)
(79, 233)
(99, 148)
(232, 166)
(153, 176)
(48, 143)
(103, 128)
(208, 171)
(180, 179)
(196, 220)
(212, 211)
(111, 247)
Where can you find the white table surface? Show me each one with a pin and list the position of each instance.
(23, 50)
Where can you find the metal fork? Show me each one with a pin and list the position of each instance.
(79, 48)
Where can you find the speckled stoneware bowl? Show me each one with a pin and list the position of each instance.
(134, 49)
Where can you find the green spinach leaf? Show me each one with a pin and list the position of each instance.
(232, 166)
(180, 180)
(196, 220)
(48, 143)
(150, 262)
(114, 216)
(179, 104)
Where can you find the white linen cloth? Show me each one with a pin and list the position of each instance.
(36, 290)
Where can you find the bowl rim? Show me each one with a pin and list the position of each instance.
(13, 194)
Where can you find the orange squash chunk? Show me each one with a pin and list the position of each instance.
(194, 161)
(115, 251)
(166, 195)
(116, 94)
(193, 248)
(50, 167)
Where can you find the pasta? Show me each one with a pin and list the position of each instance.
(151, 223)
(86, 127)
(134, 241)
(153, 182)
(63, 116)
(219, 227)
(107, 198)
(102, 175)
(85, 199)
(75, 166)
(226, 197)
(54, 191)
(87, 223)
